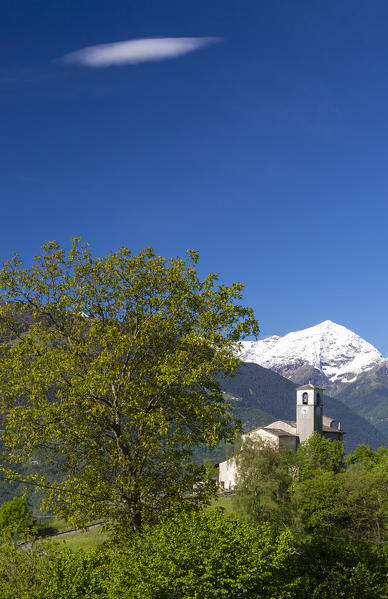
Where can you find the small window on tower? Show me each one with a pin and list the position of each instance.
(318, 399)
(305, 398)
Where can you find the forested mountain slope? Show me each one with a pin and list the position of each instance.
(368, 396)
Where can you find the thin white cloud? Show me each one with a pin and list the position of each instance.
(135, 51)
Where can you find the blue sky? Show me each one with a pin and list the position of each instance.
(264, 147)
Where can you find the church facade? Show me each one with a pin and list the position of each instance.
(285, 434)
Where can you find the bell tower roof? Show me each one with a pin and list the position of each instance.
(310, 386)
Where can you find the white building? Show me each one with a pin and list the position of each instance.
(284, 434)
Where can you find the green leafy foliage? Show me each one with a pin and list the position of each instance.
(352, 502)
(363, 454)
(312, 492)
(204, 555)
(318, 454)
(23, 573)
(72, 575)
(268, 478)
(330, 568)
(321, 506)
(195, 556)
(45, 571)
(265, 476)
(16, 518)
(116, 378)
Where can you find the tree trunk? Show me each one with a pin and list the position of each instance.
(135, 512)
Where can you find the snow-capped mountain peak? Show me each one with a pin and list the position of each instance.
(332, 349)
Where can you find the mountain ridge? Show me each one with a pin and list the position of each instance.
(368, 396)
(328, 353)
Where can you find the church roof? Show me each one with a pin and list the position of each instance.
(332, 429)
(278, 432)
(269, 426)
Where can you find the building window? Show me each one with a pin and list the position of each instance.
(305, 398)
(318, 399)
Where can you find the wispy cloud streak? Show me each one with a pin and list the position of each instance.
(136, 51)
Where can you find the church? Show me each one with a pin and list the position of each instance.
(284, 434)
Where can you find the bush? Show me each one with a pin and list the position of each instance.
(204, 556)
(22, 573)
(47, 571)
(199, 556)
(15, 518)
(342, 568)
(76, 575)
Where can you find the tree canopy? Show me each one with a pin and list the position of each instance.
(265, 475)
(313, 491)
(109, 366)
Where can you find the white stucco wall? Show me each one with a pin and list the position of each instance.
(227, 474)
(288, 443)
(327, 421)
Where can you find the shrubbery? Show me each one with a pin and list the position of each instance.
(331, 568)
(76, 575)
(199, 556)
(23, 574)
(205, 555)
(16, 518)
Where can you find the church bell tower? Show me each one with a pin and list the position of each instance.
(308, 411)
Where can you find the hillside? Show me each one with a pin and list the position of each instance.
(368, 396)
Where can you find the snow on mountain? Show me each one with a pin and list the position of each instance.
(329, 348)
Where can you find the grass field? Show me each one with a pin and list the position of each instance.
(58, 524)
(83, 540)
(96, 536)
(226, 503)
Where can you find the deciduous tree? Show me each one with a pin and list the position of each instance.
(351, 503)
(319, 454)
(114, 376)
(264, 479)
